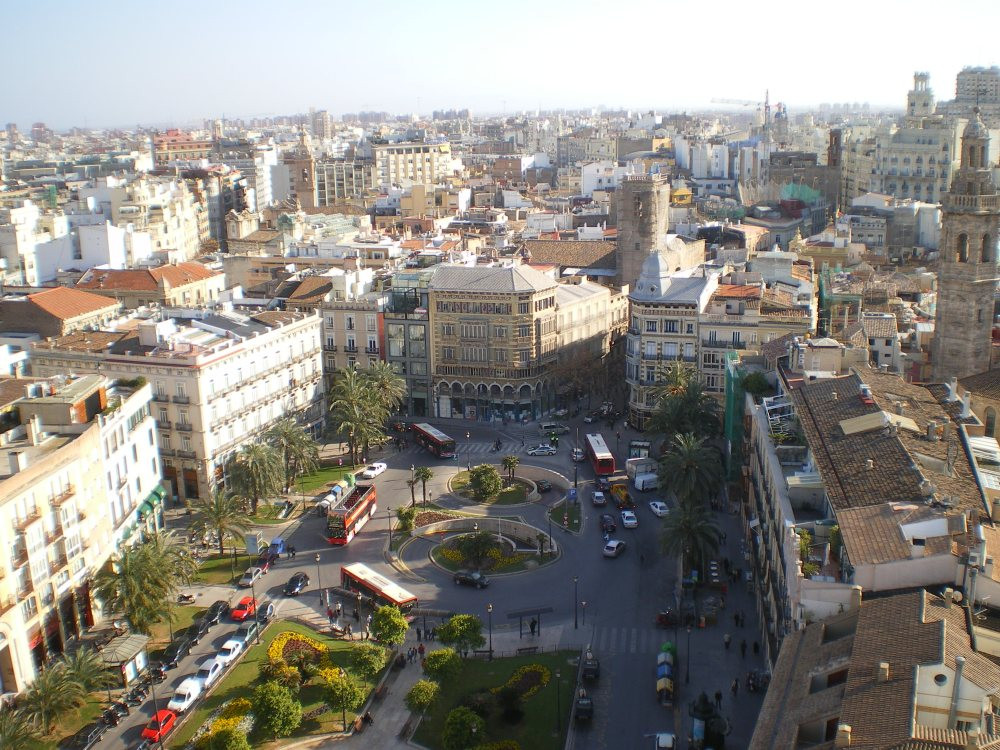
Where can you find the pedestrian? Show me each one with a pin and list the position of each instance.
(357, 615)
(723, 537)
(420, 650)
(368, 622)
(718, 699)
(756, 648)
(735, 687)
(532, 625)
(350, 631)
(736, 619)
(294, 552)
(726, 640)
(419, 634)
(329, 615)
(339, 609)
(642, 559)
(743, 648)
(368, 718)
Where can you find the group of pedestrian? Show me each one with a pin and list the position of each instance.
(411, 655)
(400, 444)
(739, 619)
(290, 551)
(429, 634)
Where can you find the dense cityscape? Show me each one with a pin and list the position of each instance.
(504, 430)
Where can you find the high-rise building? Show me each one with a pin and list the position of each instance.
(967, 277)
(643, 208)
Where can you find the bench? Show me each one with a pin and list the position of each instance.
(359, 725)
(527, 650)
(481, 653)
(404, 733)
(380, 692)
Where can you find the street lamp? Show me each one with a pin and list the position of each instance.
(468, 452)
(489, 612)
(576, 600)
(253, 593)
(388, 518)
(558, 708)
(687, 677)
(319, 581)
(152, 691)
(583, 604)
(430, 496)
(576, 483)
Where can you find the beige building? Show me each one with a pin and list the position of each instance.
(175, 285)
(425, 163)
(79, 477)
(219, 379)
(56, 311)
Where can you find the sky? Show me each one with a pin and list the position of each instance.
(120, 63)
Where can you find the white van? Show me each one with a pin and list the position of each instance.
(645, 482)
(547, 428)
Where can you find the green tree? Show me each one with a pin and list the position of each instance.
(389, 626)
(690, 469)
(406, 517)
(228, 739)
(688, 410)
(442, 664)
(17, 732)
(689, 533)
(275, 709)
(368, 659)
(464, 632)
(299, 452)
(255, 473)
(474, 547)
(462, 727)
(423, 474)
(355, 410)
(221, 513)
(88, 670)
(341, 692)
(51, 695)
(756, 384)
(672, 380)
(509, 464)
(412, 484)
(388, 388)
(485, 482)
(422, 695)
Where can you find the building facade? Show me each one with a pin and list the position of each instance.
(427, 163)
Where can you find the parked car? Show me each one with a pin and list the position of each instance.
(265, 613)
(143, 745)
(577, 454)
(87, 737)
(251, 577)
(472, 578)
(266, 560)
(598, 498)
(608, 524)
(592, 417)
(230, 651)
(591, 667)
(244, 609)
(629, 520)
(296, 584)
(161, 723)
(185, 695)
(544, 485)
(542, 449)
(247, 631)
(197, 631)
(216, 612)
(176, 650)
(373, 470)
(665, 741)
(614, 548)
(659, 509)
(603, 484)
(209, 671)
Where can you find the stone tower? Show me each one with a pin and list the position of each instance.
(968, 274)
(643, 206)
(920, 99)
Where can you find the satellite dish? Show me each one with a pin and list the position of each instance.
(956, 596)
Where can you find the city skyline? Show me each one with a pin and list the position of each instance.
(200, 61)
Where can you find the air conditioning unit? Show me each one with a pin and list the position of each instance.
(974, 560)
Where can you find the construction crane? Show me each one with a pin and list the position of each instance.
(741, 102)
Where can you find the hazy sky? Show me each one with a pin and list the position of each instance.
(122, 62)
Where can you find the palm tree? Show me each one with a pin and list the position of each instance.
(423, 474)
(298, 450)
(222, 513)
(51, 695)
(356, 412)
(672, 380)
(687, 410)
(690, 469)
(510, 463)
(690, 533)
(16, 730)
(88, 670)
(387, 386)
(255, 473)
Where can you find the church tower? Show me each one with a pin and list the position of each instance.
(643, 212)
(968, 274)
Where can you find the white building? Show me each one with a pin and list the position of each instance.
(601, 175)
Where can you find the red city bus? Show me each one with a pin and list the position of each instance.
(600, 457)
(360, 578)
(433, 440)
(349, 512)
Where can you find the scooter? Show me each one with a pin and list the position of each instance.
(185, 599)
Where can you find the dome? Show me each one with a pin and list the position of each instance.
(975, 128)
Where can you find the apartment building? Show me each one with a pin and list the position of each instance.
(341, 179)
(426, 163)
(172, 285)
(408, 338)
(219, 379)
(174, 145)
(80, 477)
(56, 311)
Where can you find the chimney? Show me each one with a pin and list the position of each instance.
(932, 431)
(883, 671)
(975, 739)
(18, 461)
(966, 405)
(833, 395)
(946, 595)
(869, 464)
(900, 408)
(953, 389)
(953, 710)
(843, 738)
(946, 430)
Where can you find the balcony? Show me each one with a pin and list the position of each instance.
(371, 350)
(162, 398)
(185, 454)
(329, 347)
(181, 399)
(164, 424)
(60, 561)
(51, 537)
(23, 523)
(724, 344)
(183, 426)
(19, 557)
(68, 492)
(25, 590)
(166, 451)
(351, 349)
(6, 604)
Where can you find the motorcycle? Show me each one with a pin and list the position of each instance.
(111, 718)
(185, 599)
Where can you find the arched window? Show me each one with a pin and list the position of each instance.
(962, 248)
(987, 254)
(991, 422)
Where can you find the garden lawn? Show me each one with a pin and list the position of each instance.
(310, 483)
(183, 617)
(219, 569)
(511, 494)
(267, 514)
(561, 508)
(241, 680)
(536, 730)
(70, 723)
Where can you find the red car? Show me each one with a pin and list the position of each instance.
(246, 607)
(158, 727)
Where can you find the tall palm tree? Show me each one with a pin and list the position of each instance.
(510, 463)
(672, 380)
(387, 386)
(687, 410)
(423, 474)
(222, 513)
(690, 469)
(88, 670)
(51, 695)
(689, 533)
(16, 730)
(356, 412)
(299, 452)
(255, 473)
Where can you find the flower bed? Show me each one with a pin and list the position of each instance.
(425, 517)
(287, 644)
(527, 680)
(234, 714)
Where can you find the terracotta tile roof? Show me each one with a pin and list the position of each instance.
(737, 291)
(12, 389)
(575, 253)
(879, 326)
(985, 384)
(145, 279)
(874, 535)
(312, 288)
(66, 303)
(95, 342)
(774, 349)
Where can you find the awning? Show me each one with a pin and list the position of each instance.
(123, 649)
(156, 496)
(145, 509)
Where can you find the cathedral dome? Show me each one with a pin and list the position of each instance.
(975, 128)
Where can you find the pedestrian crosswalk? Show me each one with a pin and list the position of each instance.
(629, 640)
(513, 447)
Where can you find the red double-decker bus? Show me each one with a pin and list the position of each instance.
(600, 457)
(433, 440)
(349, 512)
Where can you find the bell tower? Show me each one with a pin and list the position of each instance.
(968, 274)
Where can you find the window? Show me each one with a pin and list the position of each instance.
(689, 328)
(991, 421)
(349, 322)
(448, 352)
(688, 351)
(670, 326)
(418, 368)
(962, 248)
(370, 323)
(650, 326)
(523, 308)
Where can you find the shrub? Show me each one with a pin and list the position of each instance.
(422, 695)
(461, 727)
(510, 700)
(278, 670)
(482, 702)
(527, 680)
(278, 713)
(442, 664)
